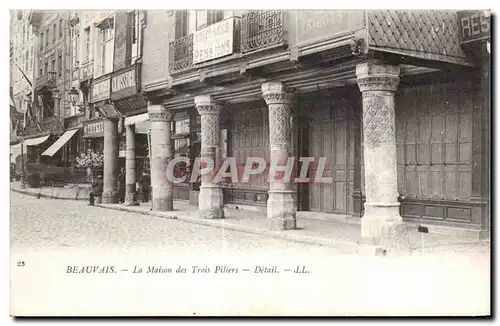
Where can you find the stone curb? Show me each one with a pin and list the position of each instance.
(41, 195)
(222, 224)
(171, 216)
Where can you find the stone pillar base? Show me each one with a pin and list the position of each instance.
(110, 197)
(130, 196)
(162, 204)
(383, 226)
(211, 202)
(281, 210)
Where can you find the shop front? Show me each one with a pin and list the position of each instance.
(400, 131)
(100, 99)
(133, 148)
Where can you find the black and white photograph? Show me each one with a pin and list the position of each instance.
(263, 162)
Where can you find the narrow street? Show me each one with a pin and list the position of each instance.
(226, 272)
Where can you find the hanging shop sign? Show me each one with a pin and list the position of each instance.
(93, 128)
(101, 89)
(132, 105)
(214, 41)
(474, 25)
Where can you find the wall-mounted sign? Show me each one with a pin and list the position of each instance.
(214, 41)
(101, 90)
(314, 25)
(124, 83)
(93, 128)
(474, 25)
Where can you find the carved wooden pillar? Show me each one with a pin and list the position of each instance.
(110, 191)
(210, 200)
(281, 206)
(378, 84)
(161, 154)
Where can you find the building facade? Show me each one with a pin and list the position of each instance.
(392, 99)
(396, 102)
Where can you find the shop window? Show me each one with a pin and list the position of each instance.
(181, 126)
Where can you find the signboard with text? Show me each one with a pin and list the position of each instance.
(93, 128)
(474, 25)
(214, 41)
(101, 90)
(315, 25)
(124, 84)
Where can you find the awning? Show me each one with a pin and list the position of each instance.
(35, 141)
(136, 118)
(60, 142)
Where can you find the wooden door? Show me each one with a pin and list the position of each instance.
(434, 135)
(331, 135)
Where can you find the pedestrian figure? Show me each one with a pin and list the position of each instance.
(144, 184)
(97, 188)
(121, 186)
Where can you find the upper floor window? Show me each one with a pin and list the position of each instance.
(47, 37)
(205, 18)
(87, 43)
(135, 26)
(60, 28)
(41, 38)
(59, 65)
(107, 36)
(54, 32)
(76, 45)
(181, 23)
(134, 35)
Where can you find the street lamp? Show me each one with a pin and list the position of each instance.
(73, 97)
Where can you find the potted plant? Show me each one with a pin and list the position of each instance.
(91, 160)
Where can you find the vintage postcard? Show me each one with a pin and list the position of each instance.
(250, 162)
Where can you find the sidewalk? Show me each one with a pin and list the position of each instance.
(337, 231)
(71, 192)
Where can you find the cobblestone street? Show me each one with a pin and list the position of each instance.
(49, 235)
(55, 224)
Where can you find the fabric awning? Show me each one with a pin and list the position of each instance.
(60, 142)
(35, 141)
(136, 119)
